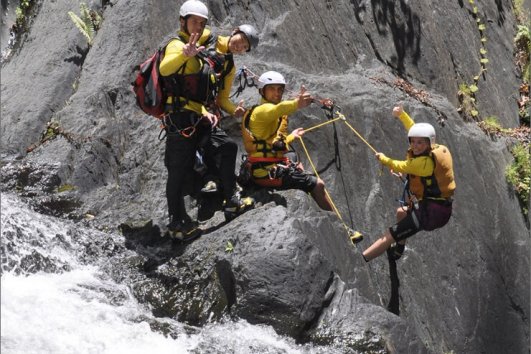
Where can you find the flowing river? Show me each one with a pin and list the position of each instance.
(53, 300)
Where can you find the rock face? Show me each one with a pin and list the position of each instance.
(464, 288)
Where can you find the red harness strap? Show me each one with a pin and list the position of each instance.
(267, 181)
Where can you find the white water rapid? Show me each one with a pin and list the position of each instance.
(51, 302)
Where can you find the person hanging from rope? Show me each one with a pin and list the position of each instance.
(219, 152)
(271, 162)
(430, 185)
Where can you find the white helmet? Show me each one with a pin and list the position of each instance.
(422, 130)
(194, 7)
(270, 78)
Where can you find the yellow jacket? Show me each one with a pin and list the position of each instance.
(223, 100)
(429, 175)
(174, 59)
(265, 124)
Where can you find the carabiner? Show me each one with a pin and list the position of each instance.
(188, 132)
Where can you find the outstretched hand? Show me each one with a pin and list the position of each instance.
(297, 133)
(304, 99)
(191, 49)
(398, 110)
(240, 110)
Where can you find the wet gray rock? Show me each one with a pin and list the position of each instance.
(464, 288)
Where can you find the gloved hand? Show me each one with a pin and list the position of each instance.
(395, 251)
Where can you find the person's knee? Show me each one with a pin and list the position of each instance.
(319, 186)
(401, 213)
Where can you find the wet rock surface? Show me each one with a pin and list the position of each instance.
(464, 288)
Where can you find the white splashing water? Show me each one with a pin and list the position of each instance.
(70, 311)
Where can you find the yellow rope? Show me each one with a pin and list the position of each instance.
(321, 124)
(358, 134)
(348, 229)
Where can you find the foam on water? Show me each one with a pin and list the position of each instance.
(79, 310)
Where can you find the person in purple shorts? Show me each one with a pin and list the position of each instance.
(430, 184)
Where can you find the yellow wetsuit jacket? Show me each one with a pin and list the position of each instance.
(223, 100)
(174, 59)
(264, 125)
(429, 175)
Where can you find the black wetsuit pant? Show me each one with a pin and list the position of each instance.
(179, 159)
(219, 154)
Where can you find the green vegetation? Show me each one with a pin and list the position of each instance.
(520, 12)
(519, 174)
(65, 188)
(491, 126)
(22, 12)
(522, 42)
(466, 95)
(88, 22)
(524, 105)
(229, 248)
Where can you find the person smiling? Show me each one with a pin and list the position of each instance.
(430, 185)
(219, 152)
(272, 162)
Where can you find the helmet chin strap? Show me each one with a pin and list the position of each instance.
(184, 26)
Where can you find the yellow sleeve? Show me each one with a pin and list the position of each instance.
(173, 59)
(406, 120)
(223, 96)
(289, 139)
(264, 119)
(269, 112)
(422, 166)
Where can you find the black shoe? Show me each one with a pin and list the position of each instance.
(396, 251)
(237, 206)
(355, 236)
(184, 231)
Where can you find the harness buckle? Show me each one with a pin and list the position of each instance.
(272, 172)
(188, 132)
(414, 202)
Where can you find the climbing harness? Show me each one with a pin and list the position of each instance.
(168, 127)
(246, 78)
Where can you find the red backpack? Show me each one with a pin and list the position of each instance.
(148, 86)
(150, 93)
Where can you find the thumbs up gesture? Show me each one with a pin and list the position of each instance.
(304, 99)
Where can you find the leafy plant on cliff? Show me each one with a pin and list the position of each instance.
(229, 248)
(518, 174)
(520, 12)
(22, 12)
(467, 99)
(524, 105)
(88, 22)
(492, 127)
(466, 93)
(522, 42)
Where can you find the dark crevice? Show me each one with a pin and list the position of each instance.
(227, 281)
(327, 300)
(79, 57)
